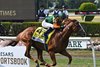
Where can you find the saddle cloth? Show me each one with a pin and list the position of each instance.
(38, 35)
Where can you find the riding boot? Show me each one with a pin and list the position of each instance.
(46, 45)
(46, 37)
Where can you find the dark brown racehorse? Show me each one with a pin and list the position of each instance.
(57, 44)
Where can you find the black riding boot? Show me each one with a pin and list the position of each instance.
(46, 37)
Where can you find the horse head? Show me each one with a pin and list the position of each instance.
(75, 26)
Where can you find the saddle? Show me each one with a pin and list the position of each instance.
(38, 35)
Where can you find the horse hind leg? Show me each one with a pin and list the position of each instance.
(65, 53)
(27, 54)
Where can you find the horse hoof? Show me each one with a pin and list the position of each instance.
(43, 63)
(53, 64)
(36, 61)
(37, 64)
(48, 65)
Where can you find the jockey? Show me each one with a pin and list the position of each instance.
(50, 25)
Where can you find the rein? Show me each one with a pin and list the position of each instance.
(82, 29)
(66, 32)
(67, 26)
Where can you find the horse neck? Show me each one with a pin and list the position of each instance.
(67, 31)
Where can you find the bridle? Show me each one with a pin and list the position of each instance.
(75, 24)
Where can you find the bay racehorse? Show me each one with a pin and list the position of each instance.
(57, 43)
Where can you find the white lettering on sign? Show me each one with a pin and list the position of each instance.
(7, 13)
(78, 42)
(13, 57)
(75, 44)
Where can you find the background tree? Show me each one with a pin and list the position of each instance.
(74, 4)
(88, 6)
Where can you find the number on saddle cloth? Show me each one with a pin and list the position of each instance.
(39, 33)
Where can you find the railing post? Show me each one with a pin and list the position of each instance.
(93, 53)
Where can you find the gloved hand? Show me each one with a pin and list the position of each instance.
(56, 25)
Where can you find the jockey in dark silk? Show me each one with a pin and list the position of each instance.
(50, 24)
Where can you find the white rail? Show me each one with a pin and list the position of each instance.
(7, 37)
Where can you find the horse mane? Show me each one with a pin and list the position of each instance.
(68, 20)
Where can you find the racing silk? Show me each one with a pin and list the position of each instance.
(48, 22)
(50, 19)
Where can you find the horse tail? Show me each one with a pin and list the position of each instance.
(13, 43)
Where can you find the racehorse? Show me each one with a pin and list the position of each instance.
(57, 43)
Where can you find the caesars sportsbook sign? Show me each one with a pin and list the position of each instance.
(13, 57)
(17, 9)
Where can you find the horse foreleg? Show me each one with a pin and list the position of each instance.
(65, 53)
(52, 55)
(40, 56)
(27, 54)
